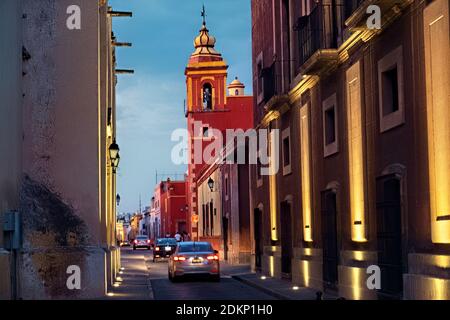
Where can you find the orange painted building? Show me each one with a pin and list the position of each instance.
(211, 104)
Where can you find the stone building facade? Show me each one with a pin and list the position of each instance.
(363, 122)
(58, 103)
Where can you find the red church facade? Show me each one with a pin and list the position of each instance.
(212, 108)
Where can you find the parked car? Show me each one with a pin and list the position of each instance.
(141, 242)
(164, 248)
(125, 243)
(194, 258)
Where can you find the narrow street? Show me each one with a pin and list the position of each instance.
(143, 279)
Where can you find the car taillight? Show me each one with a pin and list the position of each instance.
(157, 248)
(178, 258)
(148, 241)
(215, 257)
(135, 241)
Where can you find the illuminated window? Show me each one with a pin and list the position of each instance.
(390, 82)
(330, 126)
(437, 75)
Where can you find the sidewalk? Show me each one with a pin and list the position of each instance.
(280, 288)
(135, 282)
(228, 270)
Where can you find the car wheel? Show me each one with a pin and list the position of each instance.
(148, 248)
(170, 276)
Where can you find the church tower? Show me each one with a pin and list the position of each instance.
(209, 107)
(206, 83)
(206, 76)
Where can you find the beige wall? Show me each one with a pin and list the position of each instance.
(204, 198)
(68, 207)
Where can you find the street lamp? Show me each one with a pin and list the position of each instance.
(115, 163)
(114, 155)
(211, 184)
(118, 199)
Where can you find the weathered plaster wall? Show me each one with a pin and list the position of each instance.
(10, 123)
(60, 190)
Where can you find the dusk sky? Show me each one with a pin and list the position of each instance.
(150, 102)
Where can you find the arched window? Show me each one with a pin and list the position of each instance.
(207, 96)
(236, 92)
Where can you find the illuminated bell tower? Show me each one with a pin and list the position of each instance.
(206, 83)
(206, 76)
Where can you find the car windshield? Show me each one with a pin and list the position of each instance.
(195, 247)
(168, 241)
(141, 238)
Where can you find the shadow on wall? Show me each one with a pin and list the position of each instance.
(54, 237)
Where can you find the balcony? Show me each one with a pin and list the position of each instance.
(319, 36)
(274, 97)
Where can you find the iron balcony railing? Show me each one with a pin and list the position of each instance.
(321, 29)
(271, 81)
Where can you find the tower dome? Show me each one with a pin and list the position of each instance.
(236, 88)
(204, 43)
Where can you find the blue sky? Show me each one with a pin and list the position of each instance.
(150, 102)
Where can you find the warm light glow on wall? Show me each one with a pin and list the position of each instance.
(271, 266)
(437, 55)
(358, 255)
(355, 149)
(306, 273)
(440, 289)
(305, 173)
(357, 273)
(442, 261)
(273, 189)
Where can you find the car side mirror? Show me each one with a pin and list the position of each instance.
(216, 251)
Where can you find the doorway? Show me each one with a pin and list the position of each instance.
(389, 236)
(330, 254)
(286, 239)
(258, 231)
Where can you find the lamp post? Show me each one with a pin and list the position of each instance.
(114, 155)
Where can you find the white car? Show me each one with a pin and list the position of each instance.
(194, 258)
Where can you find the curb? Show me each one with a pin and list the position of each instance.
(266, 290)
(151, 293)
